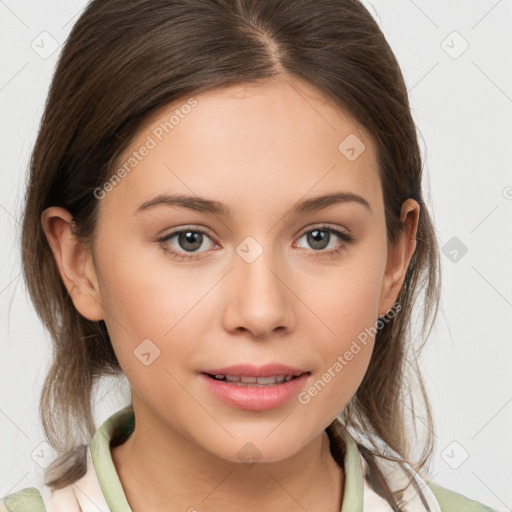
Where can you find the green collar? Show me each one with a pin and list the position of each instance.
(120, 424)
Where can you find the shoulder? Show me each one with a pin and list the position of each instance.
(451, 501)
(24, 500)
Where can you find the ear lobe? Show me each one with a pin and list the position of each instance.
(74, 261)
(400, 256)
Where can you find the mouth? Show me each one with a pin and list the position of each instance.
(255, 388)
(252, 381)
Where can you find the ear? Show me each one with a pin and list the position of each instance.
(74, 261)
(400, 256)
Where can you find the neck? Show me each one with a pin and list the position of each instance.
(173, 473)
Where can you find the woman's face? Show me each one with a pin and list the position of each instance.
(260, 279)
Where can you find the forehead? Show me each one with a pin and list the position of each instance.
(248, 145)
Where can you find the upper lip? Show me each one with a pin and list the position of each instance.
(250, 370)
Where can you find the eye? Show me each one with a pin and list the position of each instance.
(188, 240)
(319, 237)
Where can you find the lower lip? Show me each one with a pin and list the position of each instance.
(255, 398)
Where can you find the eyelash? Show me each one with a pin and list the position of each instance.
(345, 237)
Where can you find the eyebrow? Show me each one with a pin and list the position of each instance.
(204, 205)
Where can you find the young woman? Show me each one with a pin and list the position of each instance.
(225, 206)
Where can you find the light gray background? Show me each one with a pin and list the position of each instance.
(462, 104)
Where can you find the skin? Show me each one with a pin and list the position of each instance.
(258, 149)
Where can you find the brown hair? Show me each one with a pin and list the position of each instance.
(126, 59)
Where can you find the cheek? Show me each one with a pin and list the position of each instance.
(345, 298)
(344, 323)
(145, 298)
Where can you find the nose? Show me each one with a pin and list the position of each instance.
(258, 298)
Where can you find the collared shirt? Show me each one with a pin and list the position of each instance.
(100, 489)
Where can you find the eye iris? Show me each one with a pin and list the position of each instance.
(316, 237)
(192, 237)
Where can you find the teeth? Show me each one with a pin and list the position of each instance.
(264, 381)
(245, 380)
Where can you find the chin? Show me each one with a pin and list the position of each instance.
(250, 450)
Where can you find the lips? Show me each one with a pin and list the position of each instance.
(255, 388)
